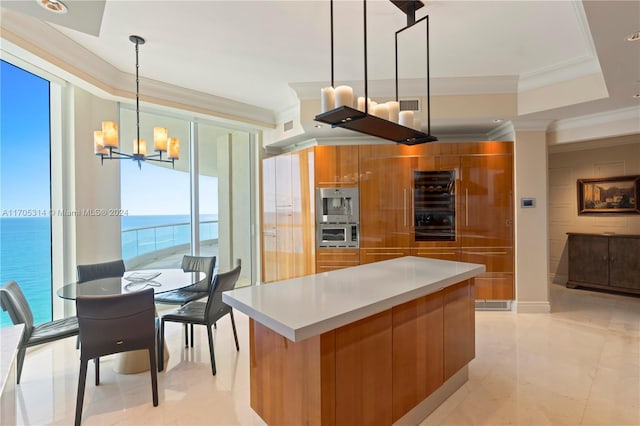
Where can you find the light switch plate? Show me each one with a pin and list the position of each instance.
(527, 203)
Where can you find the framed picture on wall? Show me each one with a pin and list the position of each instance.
(614, 195)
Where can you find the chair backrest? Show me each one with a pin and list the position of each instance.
(96, 271)
(13, 302)
(115, 323)
(204, 264)
(221, 282)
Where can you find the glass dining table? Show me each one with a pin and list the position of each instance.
(161, 280)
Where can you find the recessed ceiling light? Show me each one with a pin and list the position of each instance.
(317, 126)
(498, 120)
(54, 6)
(637, 96)
(634, 37)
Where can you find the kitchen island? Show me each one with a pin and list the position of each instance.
(383, 343)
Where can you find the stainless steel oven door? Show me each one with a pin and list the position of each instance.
(338, 236)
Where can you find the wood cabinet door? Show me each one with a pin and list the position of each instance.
(588, 259)
(336, 166)
(485, 217)
(385, 193)
(497, 283)
(330, 259)
(624, 262)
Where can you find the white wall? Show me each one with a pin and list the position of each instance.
(531, 254)
(615, 157)
(96, 186)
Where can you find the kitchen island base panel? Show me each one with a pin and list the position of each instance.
(427, 406)
(348, 375)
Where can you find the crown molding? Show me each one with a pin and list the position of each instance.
(531, 125)
(38, 43)
(504, 132)
(557, 73)
(411, 88)
(596, 119)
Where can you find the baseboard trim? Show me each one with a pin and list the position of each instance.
(531, 307)
(421, 411)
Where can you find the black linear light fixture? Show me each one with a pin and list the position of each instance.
(384, 121)
(105, 141)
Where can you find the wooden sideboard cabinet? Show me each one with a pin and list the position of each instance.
(609, 262)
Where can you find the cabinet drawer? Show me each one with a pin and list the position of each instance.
(494, 286)
(443, 253)
(332, 259)
(376, 255)
(495, 259)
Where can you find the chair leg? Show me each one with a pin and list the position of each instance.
(186, 335)
(161, 347)
(96, 362)
(21, 354)
(191, 334)
(82, 377)
(154, 374)
(235, 333)
(211, 354)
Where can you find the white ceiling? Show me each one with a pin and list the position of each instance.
(257, 52)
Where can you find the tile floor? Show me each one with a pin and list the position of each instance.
(579, 365)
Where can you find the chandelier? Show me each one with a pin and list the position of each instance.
(386, 120)
(105, 141)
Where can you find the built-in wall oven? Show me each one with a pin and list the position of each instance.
(337, 217)
(337, 205)
(338, 235)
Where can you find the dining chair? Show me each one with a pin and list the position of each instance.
(14, 302)
(113, 324)
(96, 271)
(205, 313)
(193, 292)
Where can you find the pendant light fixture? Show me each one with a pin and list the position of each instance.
(381, 120)
(106, 144)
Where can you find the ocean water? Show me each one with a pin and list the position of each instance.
(25, 257)
(25, 251)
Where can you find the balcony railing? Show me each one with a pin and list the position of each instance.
(143, 240)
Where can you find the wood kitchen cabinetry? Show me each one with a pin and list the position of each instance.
(608, 262)
(288, 230)
(485, 221)
(385, 201)
(336, 166)
(393, 209)
(330, 259)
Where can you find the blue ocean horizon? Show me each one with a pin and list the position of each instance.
(25, 251)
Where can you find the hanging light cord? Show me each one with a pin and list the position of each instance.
(137, 99)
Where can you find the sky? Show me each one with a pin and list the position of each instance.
(24, 140)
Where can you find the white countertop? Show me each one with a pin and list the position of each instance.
(307, 306)
(10, 337)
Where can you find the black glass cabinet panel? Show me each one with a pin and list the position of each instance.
(434, 205)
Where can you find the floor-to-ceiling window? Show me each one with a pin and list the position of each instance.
(156, 229)
(224, 187)
(25, 188)
(208, 190)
